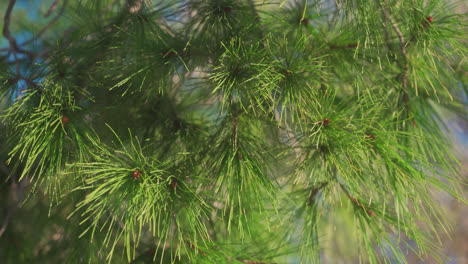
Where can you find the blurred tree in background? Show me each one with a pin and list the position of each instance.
(228, 131)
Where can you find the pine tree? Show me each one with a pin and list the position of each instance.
(230, 131)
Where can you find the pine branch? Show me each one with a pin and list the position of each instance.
(314, 192)
(239, 125)
(356, 202)
(254, 262)
(344, 46)
(7, 34)
(51, 22)
(16, 191)
(401, 38)
(257, 18)
(52, 8)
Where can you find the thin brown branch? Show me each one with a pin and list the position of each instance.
(404, 75)
(46, 27)
(252, 261)
(18, 50)
(6, 23)
(194, 247)
(16, 191)
(13, 45)
(254, 10)
(7, 33)
(395, 28)
(6, 221)
(28, 81)
(52, 8)
(4, 168)
(314, 192)
(344, 46)
(356, 202)
(257, 18)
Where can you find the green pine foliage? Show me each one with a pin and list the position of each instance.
(233, 131)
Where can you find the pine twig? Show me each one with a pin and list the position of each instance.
(6, 221)
(13, 45)
(396, 28)
(46, 27)
(356, 202)
(52, 8)
(405, 68)
(252, 262)
(7, 34)
(315, 191)
(424, 25)
(16, 190)
(254, 10)
(257, 19)
(344, 46)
